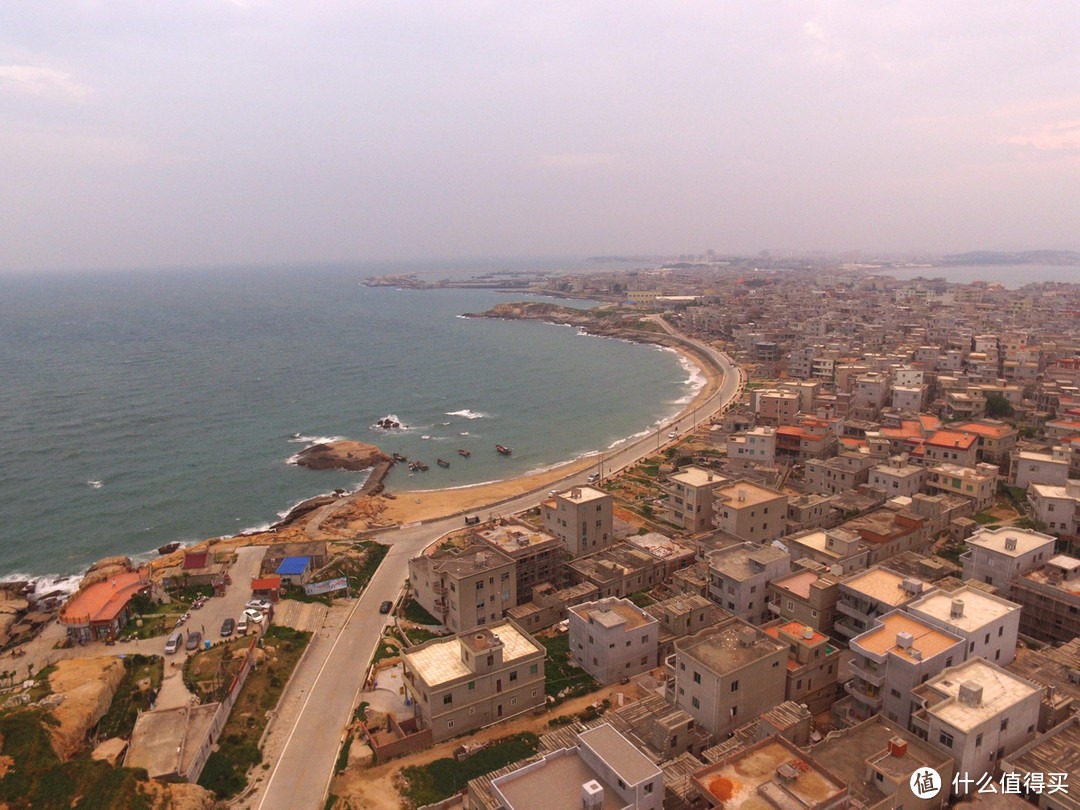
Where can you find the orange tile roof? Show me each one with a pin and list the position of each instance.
(104, 601)
(986, 430)
(930, 422)
(952, 438)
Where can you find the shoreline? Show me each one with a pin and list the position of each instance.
(357, 514)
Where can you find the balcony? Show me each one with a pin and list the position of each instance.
(875, 677)
(871, 700)
(854, 611)
(439, 589)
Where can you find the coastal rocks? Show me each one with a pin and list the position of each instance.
(341, 455)
(106, 569)
(88, 686)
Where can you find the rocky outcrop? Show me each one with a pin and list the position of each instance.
(178, 796)
(106, 569)
(87, 686)
(341, 455)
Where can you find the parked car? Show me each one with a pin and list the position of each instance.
(386, 607)
(258, 604)
(472, 520)
(228, 626)
(594, 477)
(194, 639)
(253, 616)
(242, 625)
(173, 643)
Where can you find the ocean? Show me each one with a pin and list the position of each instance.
(141, 408)
(1010, 276)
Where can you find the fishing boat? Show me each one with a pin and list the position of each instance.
(504, 450)
(399, 457)
(422, 466)
(464, 453)
(442, 462)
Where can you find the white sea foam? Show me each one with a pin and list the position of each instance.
(94, 484)
(392, 417)
(62, 586)
(298, 439)
(465, 413)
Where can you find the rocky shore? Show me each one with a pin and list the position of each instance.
(341, 455)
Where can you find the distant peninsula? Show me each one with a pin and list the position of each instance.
(994, 257)
(341, 455)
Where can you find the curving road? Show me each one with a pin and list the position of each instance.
(305, 739)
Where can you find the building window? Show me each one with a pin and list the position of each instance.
(734, 686)
(449, 723)
(695, 703)
(533, 693)
(1005, 724)
(697, 677)
(447, 700)
(946, 739)
(513, 701)
(649, 786)
(472, 685)
(513, 675)
(532, 669)
(978, 741)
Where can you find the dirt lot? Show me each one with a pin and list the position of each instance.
(374, 789)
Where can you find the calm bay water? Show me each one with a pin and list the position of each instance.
(141, 408)
(1011, 276)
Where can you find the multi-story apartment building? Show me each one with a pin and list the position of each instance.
(612, 639)
(1057, 507)
(988, 624)
(726, 674)
(464, 587)
(1049, 597)
(898, 654)
(840, 550)
(1029, 467)
(978, 484)
(690, 498)
(471, 680)
(549, 605)
(996, 443)
(999, 556)
(750, 511)
(953, 446)
(812, 666)
(538, 556)
(775, 408)
(889, 531)
(738, 577)
(602, 770)
(978, 712)
(581, 518)
(839, 473)
(908, 397)
(621, 570)
(865, 596)
(757, 446)
(897, 477)
(807, 596)
(681, 616)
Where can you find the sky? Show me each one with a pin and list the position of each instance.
(217, 132)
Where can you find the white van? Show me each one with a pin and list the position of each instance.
(174, 642)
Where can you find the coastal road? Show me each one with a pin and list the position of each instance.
(304, 740)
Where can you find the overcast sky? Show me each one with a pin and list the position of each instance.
(201, 132)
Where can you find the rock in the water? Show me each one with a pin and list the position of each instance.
(341, 455)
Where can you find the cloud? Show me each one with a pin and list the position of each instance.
(824, 49)
(1059, 136)
(576, 160)
(42, 81)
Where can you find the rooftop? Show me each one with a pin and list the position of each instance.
(742, 494)
(513, 538)
(696, 477)
(611, 613)
(882, 585)
(1000, 690)
(952, 438)
(1026, 541)
(582, 494)
(926, 640)
(103, 601)
(977, 608)
(464, 562)
(1058, 751)
(440, 661)
(722, 650)
(631, 765)
(798, 583)
(745, 560)
(554, 781)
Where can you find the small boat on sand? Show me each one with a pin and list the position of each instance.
(465, 453)
(503, 450)
(442, 462)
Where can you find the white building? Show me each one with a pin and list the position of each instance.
(998, 556)
(1057, 507)
(581, 518)
(1039, 468)
(757, 445)
(988, 624)
(898, 477)
(612, 639)
(738, 576)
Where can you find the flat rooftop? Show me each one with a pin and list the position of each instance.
(881, 585)
(441, 662)
(1000, 690)
(738, 562)
(882, 639)
(697, 477)
(632, 766)
(979, 608)
(658, 545)
(554, 781)
(464, 562)
(159, 736)
(612, 613)
(798, 583)
(721, 650)
(515, 537)
(743, 494)
(1026, 540)
(582, 494)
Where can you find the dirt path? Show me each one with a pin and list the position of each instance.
(374, 789)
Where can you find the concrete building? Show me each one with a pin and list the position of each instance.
(471, 680)
(690, 498)
(892, 659)
(839, 550)
(549, 605)
(624, 569)
(612, 639)
(812, 667)
(1057, 507)
(604, 771)
(897, 477)
(1052, 758)
(865, 596)
(757, 446)
(464, 587)
(988, 624)
(978, 484)
(738, 577)
(749, 511)
(999, 556)
(538, 556)
(957, 447)
(682, 616)
(726, 675)
(839, 473)
(979, 712)
(997, 441)
(775, 408)
(876, 759)
(808, 596)
(1029, 467)
(890, 530)
(581, 518)
(1049, 597)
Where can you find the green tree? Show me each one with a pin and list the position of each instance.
(997, 406)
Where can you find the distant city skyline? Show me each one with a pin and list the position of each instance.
(137, 134)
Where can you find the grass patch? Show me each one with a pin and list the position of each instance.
(418, 635)
(443, 778)
(129, 699)
(414, 612)
(641, 599)
(226, 769)
(952, 552)
(983, 518)
(386, 649)
(562, 673)
(373, 557)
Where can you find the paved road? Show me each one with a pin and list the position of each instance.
(303, 746)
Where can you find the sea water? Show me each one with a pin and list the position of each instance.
(141, 408)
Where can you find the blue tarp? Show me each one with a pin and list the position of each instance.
(293, 566)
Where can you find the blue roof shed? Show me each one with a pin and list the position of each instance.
(293, 566)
